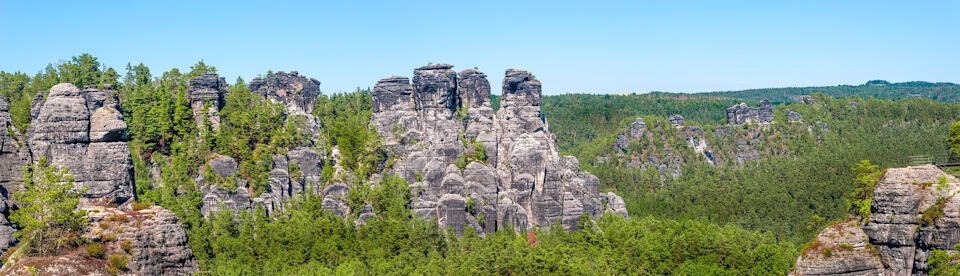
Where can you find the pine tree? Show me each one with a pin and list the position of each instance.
(183, 115)
(47, 213)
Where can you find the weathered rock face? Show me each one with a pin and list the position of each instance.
(841, 249)
(156, 239)
(208, 94)
(296, 92)
(901, 243)
(521, 182)
(14, 156)
(90, 144)
(742, 114)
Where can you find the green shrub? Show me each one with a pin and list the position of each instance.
(137, 206)
(95, 250)
(117, 263)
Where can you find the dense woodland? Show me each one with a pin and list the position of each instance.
(735, 220)
(939, 91)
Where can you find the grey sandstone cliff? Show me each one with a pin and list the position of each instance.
(443, 116)
(895, 236)
(90, 144)
(14, 156)
(207, 94)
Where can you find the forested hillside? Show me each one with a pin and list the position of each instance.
(939, 91)
(801, 180)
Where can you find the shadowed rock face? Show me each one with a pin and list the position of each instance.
(14, 156)
(523, 181)
(89, 144)
(208, 94)
(900, 243)
(296, 92)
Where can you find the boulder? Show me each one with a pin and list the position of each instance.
(841, 249)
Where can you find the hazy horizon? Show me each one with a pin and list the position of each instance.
(608, 48)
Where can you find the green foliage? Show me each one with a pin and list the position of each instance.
(48, 217)
(780, 194)
(19, 89)
(117, 263)
(95, 250)
(346, 121)
(942, 262)
(867, 176)
(953, 141)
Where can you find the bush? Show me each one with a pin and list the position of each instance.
(109, 237)
(117, 263)
(126, 246)
(137, 206)
(95, 250)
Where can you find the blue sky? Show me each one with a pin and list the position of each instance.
(598, 47)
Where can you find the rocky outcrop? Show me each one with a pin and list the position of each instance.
(90, 144)
(296, 92)
(899, 235)
(676, 120)
(742, 114)
(152, 240)
(293, 174)
(841, 249)
(509, 174)
(208, 94)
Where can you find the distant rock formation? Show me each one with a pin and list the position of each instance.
(89, 143)
(742, 114)
(676, 120)
(895, 241)
(444, 116)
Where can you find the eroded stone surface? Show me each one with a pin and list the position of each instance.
(442, 116)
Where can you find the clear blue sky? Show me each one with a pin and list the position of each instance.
(602, 47)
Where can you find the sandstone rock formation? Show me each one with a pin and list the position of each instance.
(841, 249)
(296, 92)
(207, 94)
(443, 118)
(152, 240)
(89, 143)
(14, 156)
(742, 114)
(900, 239)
